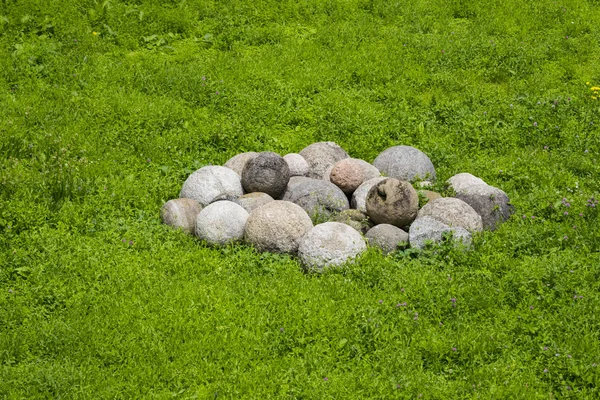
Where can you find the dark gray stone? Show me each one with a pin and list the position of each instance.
(490, 202)
(317, 197)
(267, 173)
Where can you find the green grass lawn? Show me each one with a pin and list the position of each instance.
(107, 106)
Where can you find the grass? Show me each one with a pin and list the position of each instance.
(107, 106)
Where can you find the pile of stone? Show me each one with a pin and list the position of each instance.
(273, 203)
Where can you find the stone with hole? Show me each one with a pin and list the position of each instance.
(212, 183)
(267, 173)
(359, 197)
(277, 227)
(221, 222)
(181, 214)
(330, 244)
(393, 202)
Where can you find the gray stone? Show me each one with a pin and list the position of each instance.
(426, 230)
(354, 218)
(267, 173)
(387, 237)
(393, 202)
(297, 164)
(330, 244)
(429, 194)
(359, 197)
(254, 200)
(453, 212)
(319, 198)
(181, 213)
(277, 227)
(369, 170)
(463, 180)
(238, 161)
(221, 222)
(347, 174)
(490, 202)
(405, 163)
(212, 183)
(320, 156)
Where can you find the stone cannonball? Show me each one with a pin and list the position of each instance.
(387, 237)
(297, 164)
(254, 200)
(453, 212)
(221, 222)
(429, 230)
(267, 173)
(359, 197)
(319, 198)
(320, 156)
(405, 163)
(490, 202)
(238, 162)
(212, 183)
(393, 202)
(181, 213)
(463, 180)
(347, 174)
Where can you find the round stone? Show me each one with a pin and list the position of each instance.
(490, 202)
(354, 218)
(463, 180)
(277, 227)
(453, 212)
(369, 170)
(267, 173)
(347, 174)
(320, 156)
(426, 230)
(393, 202)
(221, 222)
(212, 183)
(330, 244)
(181, 213)
(238, 162)
(297, 164)
(387, 237)
(319, 198)
(405, 163)
(254, 200)
(359, 197)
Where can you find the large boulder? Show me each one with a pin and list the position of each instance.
(319, 198)
(426, 230)
(238, 162)
(267, 173)
(387, 237)
(463, 180)
(181, 213)
(359, 197)
(212, 183)
(405, 163)
(453, 212)
(221, 222)
(354, 218)
(393, 202)
(277, 227)
(254, 200)
(320, 156)
(297, 164)
(330, 244)
(490, 202)
(347, 174)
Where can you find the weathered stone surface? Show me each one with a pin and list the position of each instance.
(267, 173)
(347, 174)
(221, 222)
(320, 156)
(181, 213)
(277, 227)
(405, 163)
(354, 218)
(359, 197)
(463, 180)
(254, 200)
(453, 212)
(429, 230)
(212, 183)
(490, 202)
(297, 164)
(238, 161)
(387, 237)
(330, 244)
(369, 170)
(393, 202)
(317, 197)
